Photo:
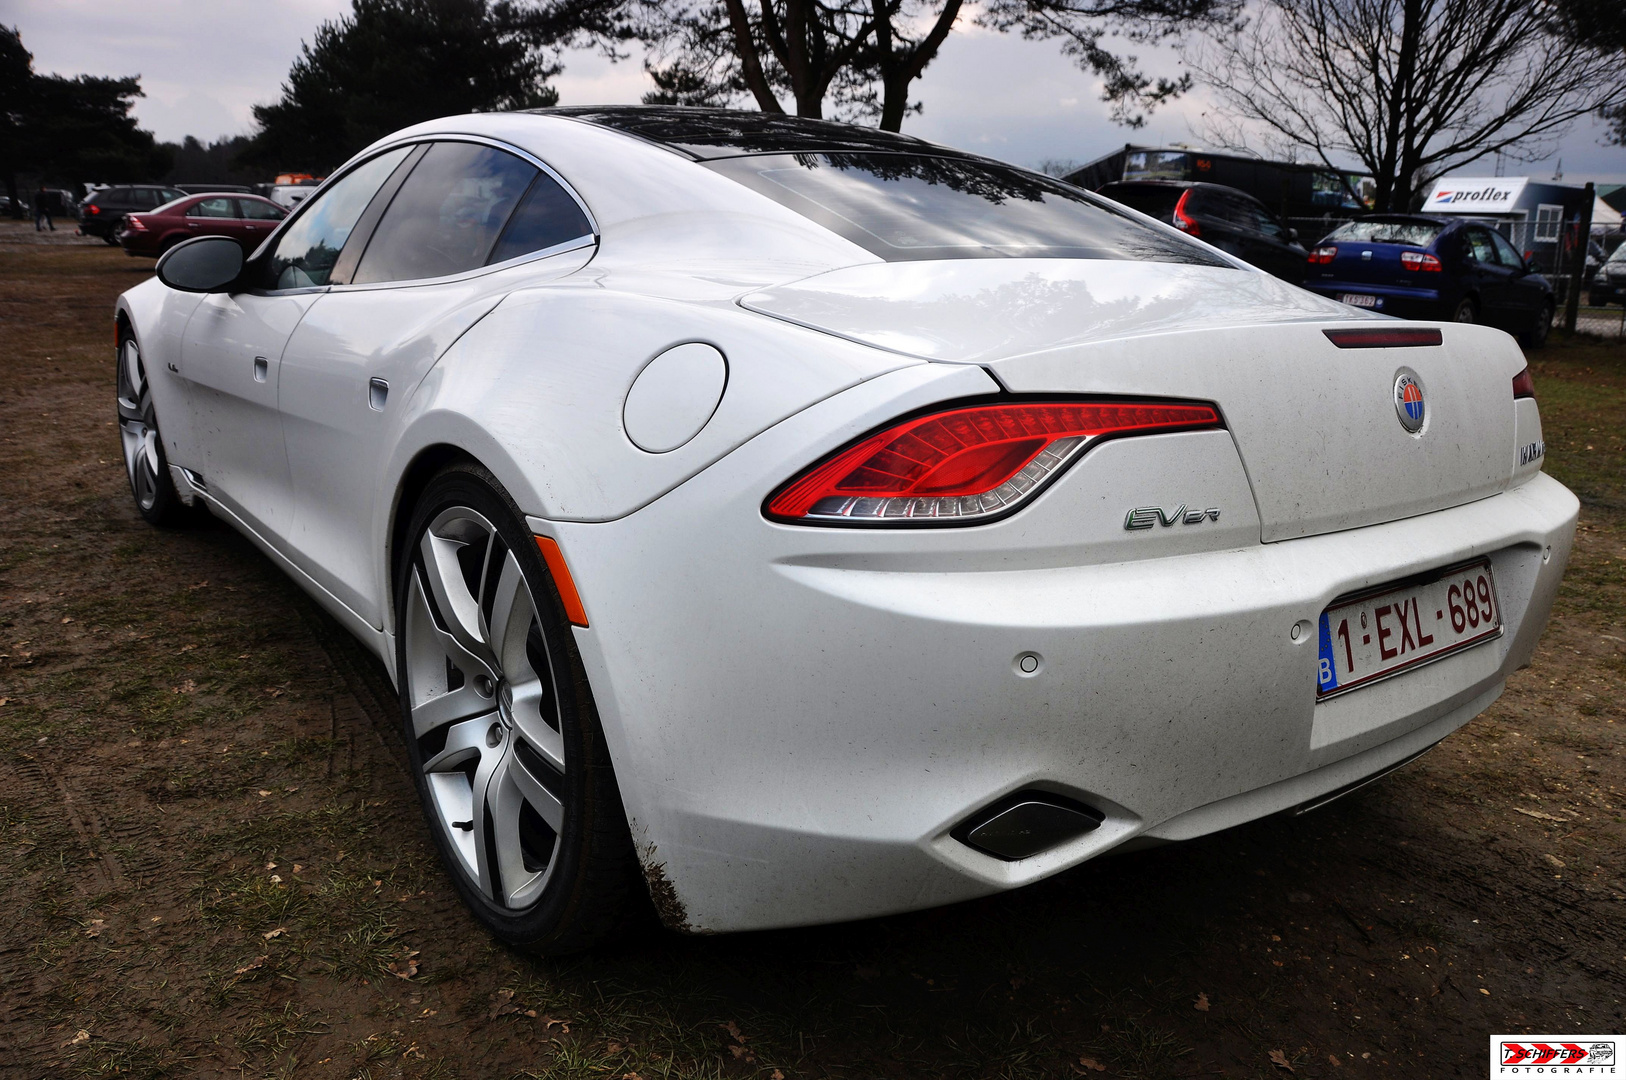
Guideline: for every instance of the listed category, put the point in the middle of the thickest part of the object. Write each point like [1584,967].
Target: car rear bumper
[1405,303]
[801,718]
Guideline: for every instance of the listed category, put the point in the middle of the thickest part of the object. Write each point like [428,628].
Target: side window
[254,210]
[305,254]
[447,215]
[546,216]
[211,208]
[143,198]
[1479,247]
[1265,222]
[1506,252]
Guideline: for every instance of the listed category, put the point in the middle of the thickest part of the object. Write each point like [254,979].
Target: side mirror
[206,264]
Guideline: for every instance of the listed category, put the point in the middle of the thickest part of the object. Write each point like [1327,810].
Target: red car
[248,219]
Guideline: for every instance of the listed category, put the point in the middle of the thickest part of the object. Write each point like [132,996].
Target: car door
[1490,279]
[354,362]
[212,217]
[1526,296]
[1278,253]
[258,218]
[231,355]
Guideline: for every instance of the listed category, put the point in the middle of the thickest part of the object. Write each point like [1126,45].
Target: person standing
[42,209]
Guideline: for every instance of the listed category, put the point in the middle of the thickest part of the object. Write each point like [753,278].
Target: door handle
[377,391]
[262,368]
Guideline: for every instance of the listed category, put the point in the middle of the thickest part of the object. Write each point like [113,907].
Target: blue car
[1423,267]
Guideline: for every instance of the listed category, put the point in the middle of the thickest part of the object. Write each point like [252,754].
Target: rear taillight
[966,465]
[93,208]
[1182,220]
[1321,256]
[1419,260]
[135,224]
[1524,386]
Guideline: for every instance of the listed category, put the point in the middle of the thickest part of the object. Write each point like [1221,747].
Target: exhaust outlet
[1023,825]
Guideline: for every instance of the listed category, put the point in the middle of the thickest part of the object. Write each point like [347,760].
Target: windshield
[1410,233]
[906,207]
[1619,255]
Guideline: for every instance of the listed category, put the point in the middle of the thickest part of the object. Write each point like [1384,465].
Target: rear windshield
[906,207]
[1410,233]
[1152,201]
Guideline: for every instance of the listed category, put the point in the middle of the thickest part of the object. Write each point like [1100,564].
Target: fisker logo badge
[1409,404]
[1144,517]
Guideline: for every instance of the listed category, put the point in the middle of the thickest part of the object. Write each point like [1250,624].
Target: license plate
[1390,630]
[1357,299]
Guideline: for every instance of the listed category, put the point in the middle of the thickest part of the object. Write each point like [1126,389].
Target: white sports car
[794,522]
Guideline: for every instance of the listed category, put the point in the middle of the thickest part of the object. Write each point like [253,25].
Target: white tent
[1605,218]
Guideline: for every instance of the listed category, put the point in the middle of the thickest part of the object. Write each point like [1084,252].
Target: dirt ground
[212,862]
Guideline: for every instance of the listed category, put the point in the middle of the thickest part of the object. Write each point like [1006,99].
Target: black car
[100,214]
[1609,284]
[1231,220]
[1424,266]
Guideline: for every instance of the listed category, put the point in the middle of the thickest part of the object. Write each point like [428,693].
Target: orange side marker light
[562,580]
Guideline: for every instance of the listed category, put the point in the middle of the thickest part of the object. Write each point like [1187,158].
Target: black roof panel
[715,133]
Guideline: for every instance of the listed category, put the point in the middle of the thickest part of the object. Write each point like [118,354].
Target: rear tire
[504,741]
[1467,311]
[1536,336]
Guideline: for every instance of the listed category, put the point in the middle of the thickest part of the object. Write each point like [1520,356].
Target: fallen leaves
[254,965]
[405,966]
[1201,1004]
[502,1004]
[1279,1059]
[1090,1064]
[271,935]
[187,687]
[95,928]
[79,1037]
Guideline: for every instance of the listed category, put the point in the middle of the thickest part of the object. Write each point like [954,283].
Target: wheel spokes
[496,775]
[458,607]
[511,615]
[436,657]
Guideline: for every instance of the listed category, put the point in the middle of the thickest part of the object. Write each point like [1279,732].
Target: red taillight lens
[135,223]
[1524,386]
[968,464]
[1182,221]
[1321,256]
[94,209]
[1419,260]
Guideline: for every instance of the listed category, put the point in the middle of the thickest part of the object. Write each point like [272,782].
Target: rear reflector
[1524,385]
[965,465]
[1382,339]
[568,596]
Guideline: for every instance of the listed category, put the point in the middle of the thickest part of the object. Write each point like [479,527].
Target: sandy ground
[212,862]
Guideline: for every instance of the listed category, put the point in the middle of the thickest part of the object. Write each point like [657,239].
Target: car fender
[535,390]
[158,315]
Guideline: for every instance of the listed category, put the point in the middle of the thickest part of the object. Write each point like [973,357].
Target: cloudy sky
[203,63]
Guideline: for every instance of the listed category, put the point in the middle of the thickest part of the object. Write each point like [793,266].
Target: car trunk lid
[1316,425]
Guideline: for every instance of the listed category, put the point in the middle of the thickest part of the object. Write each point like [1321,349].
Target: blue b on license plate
[1385,631]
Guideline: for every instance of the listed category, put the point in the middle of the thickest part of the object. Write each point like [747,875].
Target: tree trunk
[750,62]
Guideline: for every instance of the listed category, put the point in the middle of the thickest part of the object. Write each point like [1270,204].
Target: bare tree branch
[1411,89]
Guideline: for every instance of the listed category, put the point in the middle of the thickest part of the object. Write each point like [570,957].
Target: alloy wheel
[138,429]
[483,706]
